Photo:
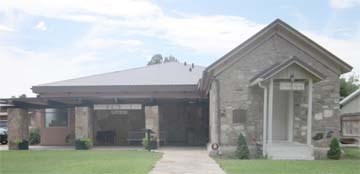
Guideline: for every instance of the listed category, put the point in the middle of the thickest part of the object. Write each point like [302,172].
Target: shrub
[83,144]
[34,137]
[334,152]
[242,150]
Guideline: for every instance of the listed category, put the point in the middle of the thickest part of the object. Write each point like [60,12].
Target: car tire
[4,142]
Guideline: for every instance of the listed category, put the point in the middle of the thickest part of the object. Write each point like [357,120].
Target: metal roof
[172,73]
[350,97]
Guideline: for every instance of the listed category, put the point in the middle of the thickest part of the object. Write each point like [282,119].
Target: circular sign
[215,146]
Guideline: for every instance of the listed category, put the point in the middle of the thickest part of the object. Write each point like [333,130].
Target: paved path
[186,161]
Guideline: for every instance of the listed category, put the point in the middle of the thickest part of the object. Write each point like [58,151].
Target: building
[350,118]
[278,88]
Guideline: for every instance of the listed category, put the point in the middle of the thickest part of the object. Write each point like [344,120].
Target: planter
[24,145]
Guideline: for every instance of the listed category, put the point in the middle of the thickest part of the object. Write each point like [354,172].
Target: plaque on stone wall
[296,86]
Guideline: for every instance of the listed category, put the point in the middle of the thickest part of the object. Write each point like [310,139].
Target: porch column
[83,126]
[265,120]
[309,116]
[271,100]
[18,126]
[291,116]
[152,120]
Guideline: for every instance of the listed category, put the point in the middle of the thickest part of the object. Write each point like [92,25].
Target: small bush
[34,137]
[83,144]
[242,150]
[334,152]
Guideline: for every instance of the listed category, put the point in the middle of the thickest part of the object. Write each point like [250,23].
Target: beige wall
[351,107]
[56,135]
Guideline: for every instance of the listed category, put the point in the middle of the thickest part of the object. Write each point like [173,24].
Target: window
[56,118]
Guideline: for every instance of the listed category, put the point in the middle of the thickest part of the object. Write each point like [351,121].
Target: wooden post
[271,100]
[309,116]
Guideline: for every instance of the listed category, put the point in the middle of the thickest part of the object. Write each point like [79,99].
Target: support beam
[309,116]
[152,121]
[83,120]
[18,126]
[271,100]
[291,116]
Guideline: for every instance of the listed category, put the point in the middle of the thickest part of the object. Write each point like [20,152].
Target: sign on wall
[296,86]
[117,107]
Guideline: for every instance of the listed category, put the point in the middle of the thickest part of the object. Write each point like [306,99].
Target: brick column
[152,120]
[83,126]
[18,126]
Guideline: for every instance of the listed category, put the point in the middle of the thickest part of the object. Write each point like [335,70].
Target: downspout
[264,118]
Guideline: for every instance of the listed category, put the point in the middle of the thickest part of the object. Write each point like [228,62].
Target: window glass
[56,118]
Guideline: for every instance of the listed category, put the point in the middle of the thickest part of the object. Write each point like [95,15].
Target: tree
[158,59]
[348,85]
[242,150]
[334,152]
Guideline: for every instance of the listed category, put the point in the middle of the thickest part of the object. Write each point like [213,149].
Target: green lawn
[77,162]
[350,164]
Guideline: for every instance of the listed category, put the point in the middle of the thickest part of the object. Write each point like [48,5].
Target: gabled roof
[278,26]
[172,73]
[350,97]
[278,67]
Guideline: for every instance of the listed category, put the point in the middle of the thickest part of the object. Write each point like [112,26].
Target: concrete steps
[290,151]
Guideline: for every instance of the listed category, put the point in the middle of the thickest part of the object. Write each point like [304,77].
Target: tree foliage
[242,150]
[159,59]
[348,85]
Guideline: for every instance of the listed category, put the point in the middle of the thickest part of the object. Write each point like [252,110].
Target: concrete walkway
[186,161]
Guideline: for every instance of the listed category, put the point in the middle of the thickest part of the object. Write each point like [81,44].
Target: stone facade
[18,126]
[235,94]
[83,122]
[152,120]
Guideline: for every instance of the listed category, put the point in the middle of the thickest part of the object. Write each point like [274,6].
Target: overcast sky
[45,41]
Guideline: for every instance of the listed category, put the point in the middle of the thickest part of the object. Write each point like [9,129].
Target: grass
[77,162]
[352,153]
[349,164]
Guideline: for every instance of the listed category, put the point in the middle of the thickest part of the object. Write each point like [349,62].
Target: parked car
[3,136]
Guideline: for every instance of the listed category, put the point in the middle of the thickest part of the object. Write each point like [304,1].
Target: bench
[137,136]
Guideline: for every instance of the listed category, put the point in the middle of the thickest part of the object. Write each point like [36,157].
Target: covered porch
[111,121]
[287,109]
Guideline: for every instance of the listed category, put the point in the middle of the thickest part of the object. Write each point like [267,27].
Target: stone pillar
[83,126]
[18,126]
[152,120]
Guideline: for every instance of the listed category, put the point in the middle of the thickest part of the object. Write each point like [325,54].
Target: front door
[280,114]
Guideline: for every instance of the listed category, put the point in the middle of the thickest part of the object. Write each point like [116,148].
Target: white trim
[291,116]
[264,119]
[309,116]
[271,101]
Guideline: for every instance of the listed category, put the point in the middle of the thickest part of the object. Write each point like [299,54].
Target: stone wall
[235,94]
[18,126]
[83,123]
